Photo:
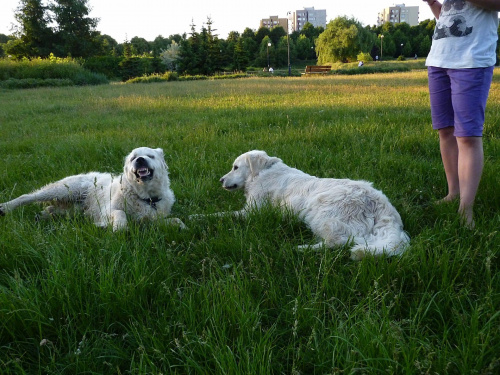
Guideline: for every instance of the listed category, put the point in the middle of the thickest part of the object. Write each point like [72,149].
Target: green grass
[236,296]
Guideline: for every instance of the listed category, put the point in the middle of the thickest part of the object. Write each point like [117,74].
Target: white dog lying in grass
[337,211]
[141,192]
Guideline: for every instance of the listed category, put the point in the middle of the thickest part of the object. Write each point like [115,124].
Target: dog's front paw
[358,254]
[177,222]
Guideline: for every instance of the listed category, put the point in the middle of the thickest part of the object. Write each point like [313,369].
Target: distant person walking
[460,69]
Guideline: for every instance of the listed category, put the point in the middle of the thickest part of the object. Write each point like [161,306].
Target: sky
[122,19]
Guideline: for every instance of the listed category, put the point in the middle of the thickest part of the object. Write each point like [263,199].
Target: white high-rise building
[316,17]
[397,14]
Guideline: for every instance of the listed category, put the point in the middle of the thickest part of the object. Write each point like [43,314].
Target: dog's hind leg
[68,189]
[317,246]
[174,221]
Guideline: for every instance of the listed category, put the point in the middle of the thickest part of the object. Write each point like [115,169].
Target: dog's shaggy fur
[339,211]
[142,191]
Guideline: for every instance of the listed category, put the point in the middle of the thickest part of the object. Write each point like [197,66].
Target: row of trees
[342,40]
[64,28]
[345,38]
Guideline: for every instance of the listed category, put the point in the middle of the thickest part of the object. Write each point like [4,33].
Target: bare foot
[467,218]
[449,198]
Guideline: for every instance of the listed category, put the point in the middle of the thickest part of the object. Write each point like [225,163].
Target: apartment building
[316,17]
[273,21]
[399,13]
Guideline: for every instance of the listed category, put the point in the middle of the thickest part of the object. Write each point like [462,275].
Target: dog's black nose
[221,180]
[140,162]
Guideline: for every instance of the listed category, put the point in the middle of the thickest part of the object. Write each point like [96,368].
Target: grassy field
[235,296]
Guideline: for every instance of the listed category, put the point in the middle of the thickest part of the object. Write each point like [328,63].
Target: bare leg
[449,154]
[470,168]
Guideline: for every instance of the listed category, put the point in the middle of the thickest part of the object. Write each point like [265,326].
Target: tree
[248,33]
[342,40]
[127,49]
[240,55]
[187,61]
[276,33]
[76,32]
[303,47]
[425,46]
[108,46]
[261,34]
[233,36]
[170,55]
[140,46]
[282,51]
[266,55]
[201,53]
[308,31]
[36,37]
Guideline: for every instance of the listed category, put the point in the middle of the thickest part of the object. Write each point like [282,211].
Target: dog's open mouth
[231,187]
[144,173]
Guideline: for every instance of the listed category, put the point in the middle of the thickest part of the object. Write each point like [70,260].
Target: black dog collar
[152,201]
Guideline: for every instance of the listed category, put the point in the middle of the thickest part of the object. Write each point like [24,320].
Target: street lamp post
[268,45]
[288,43]
[381,46]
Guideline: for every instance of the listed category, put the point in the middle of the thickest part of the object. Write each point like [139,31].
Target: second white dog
[141,192]
[339,211]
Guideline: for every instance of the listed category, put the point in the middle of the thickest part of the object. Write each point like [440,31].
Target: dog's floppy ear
[162,157]
[258,161]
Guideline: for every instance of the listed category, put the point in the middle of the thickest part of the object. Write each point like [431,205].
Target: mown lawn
[236,296]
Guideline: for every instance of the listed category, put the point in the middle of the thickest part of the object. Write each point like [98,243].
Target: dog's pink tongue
[143,172]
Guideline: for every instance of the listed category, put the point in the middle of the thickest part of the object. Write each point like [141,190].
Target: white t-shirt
[465,36]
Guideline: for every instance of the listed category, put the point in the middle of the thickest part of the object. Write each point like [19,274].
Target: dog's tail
[387,239]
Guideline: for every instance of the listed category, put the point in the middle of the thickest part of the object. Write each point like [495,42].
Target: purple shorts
[458,99]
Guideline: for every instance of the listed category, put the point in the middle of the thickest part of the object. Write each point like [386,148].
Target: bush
[29,83]
[107,65]
[365,57]
[147,79]
[171,76]
[140,66]
[373,69]
[32,72]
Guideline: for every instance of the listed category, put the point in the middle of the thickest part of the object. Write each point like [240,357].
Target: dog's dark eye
[235,167]
[151,156]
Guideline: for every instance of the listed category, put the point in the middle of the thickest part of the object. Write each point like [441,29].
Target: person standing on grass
[460,70]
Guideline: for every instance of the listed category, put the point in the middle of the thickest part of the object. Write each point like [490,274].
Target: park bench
[317,69]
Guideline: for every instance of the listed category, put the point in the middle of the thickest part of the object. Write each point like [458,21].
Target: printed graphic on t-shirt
[453,20]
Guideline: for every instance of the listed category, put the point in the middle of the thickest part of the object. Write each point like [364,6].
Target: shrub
[231,76]
[171,76]
[84,78]
[54,69]
[365,57]
[373,69]
[140,66]
[147,79]
[107,65]
[28,83]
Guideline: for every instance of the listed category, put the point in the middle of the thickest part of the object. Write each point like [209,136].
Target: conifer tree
[76,31]
[35,35]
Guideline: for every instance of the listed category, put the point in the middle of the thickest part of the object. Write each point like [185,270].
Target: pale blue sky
[150,18]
